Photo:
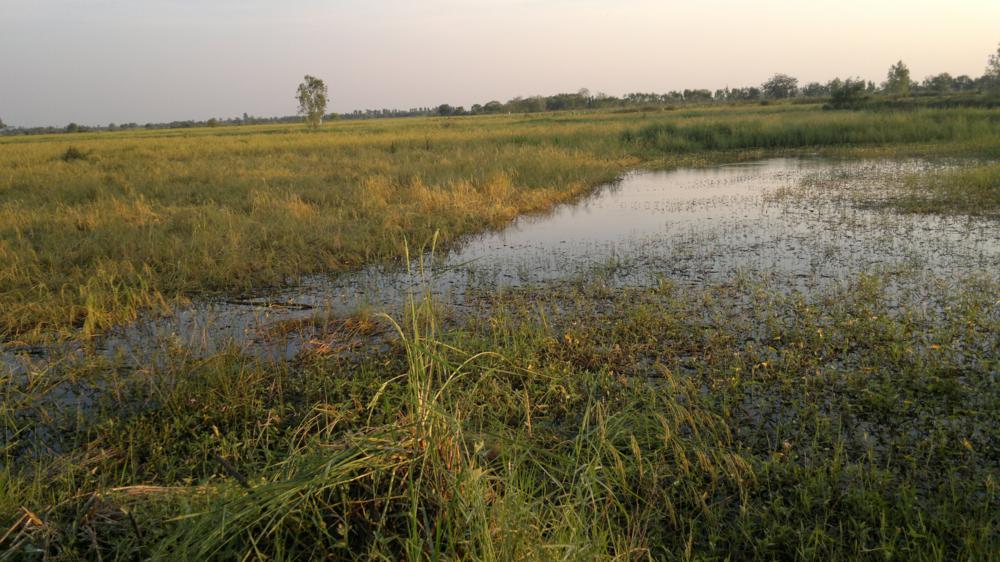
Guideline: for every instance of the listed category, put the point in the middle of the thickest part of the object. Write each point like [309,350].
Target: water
[689,226]
[706,225]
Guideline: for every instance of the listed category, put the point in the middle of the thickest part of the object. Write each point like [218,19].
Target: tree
[697,95]
[2,125]
[941,83]
[312,100]
[816,90]
[992,75]
[898,80]
[781,86]
[849,94]
[964,83]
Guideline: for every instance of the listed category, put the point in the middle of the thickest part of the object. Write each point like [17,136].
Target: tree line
[779,87]
[840,94]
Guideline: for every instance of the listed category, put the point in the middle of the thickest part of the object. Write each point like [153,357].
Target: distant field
[96,227]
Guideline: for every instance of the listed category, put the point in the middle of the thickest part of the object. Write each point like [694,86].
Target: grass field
[577,422]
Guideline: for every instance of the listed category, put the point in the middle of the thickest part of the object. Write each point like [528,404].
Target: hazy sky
[101,61]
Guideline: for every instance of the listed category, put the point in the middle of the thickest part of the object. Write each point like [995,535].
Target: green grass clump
[73,153]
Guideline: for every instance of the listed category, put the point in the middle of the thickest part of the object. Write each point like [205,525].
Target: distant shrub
[73,153]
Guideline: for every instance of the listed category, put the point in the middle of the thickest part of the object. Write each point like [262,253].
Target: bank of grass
[581,423]
[814,129]
[96,228]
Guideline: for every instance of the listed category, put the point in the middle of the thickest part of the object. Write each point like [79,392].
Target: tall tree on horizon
[898,79]
[781,86]
[312,100]
[992,75]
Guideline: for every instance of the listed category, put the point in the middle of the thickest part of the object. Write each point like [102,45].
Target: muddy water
[690,226]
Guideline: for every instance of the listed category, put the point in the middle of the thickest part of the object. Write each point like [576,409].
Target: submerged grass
[580,423]
[95,228]
[969,191]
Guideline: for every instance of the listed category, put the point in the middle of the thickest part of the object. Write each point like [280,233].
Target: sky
[96,62]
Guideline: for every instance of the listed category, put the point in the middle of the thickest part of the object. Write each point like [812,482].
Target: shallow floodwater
[689,226]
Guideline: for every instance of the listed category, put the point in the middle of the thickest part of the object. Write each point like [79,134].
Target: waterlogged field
[96,227]
[803,223]
[743,333]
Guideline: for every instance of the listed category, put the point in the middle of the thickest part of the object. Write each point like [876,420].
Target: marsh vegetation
[772,334]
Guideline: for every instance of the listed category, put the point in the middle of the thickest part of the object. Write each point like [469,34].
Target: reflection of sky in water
[705,225]
[692,226]
[629,220]
[643,205]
